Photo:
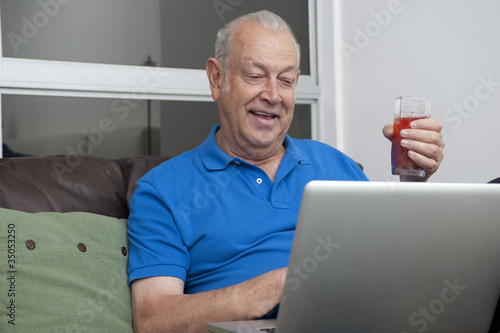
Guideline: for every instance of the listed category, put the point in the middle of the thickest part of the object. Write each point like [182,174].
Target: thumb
[388,131]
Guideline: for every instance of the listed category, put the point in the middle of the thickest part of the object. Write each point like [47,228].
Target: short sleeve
[156,247]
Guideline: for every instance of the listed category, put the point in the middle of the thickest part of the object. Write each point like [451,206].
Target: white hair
[264,18]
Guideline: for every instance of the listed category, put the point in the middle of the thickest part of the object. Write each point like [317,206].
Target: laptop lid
[394,257]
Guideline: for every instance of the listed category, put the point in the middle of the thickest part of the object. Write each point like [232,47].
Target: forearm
[184,313]
[190,313]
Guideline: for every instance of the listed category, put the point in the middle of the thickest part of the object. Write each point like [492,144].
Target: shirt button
[124,251]
[82,247]
[259,181]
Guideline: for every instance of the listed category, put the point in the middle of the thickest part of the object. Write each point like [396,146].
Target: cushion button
[124,251]
[30,244]
[82,247]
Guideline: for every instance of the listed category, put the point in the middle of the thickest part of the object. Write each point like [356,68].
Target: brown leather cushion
[133,169]
[71,183]
[63,184]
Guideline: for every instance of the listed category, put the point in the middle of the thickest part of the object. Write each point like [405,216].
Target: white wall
[447,50]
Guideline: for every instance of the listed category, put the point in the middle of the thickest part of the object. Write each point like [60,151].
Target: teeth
[261,113]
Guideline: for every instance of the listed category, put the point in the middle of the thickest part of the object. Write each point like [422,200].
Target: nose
[271,92]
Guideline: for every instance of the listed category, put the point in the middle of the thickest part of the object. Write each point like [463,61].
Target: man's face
[257,102]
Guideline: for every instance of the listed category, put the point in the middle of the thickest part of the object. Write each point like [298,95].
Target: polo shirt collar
[215,159]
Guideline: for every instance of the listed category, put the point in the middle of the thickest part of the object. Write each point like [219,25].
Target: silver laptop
[390,257]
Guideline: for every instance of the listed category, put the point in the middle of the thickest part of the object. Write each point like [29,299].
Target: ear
[215,74]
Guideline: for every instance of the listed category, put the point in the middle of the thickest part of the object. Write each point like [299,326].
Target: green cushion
[63,272]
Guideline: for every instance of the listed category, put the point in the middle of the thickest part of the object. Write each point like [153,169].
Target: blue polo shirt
[214,221]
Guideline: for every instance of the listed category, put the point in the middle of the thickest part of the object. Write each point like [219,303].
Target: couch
[63,242]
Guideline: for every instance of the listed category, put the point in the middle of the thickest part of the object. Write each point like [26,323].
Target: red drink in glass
[408,109]
[401,162]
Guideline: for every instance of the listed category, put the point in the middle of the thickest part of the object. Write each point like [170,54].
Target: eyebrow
[287,69]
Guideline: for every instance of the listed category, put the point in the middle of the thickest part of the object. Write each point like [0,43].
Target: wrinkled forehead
[252,40]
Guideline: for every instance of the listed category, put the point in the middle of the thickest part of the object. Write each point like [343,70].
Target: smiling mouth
[263,114]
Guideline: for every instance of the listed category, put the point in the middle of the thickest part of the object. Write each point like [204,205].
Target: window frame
[20,76]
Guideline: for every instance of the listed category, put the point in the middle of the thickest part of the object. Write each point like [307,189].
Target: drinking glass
[408,109]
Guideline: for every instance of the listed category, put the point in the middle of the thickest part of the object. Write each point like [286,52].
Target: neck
[268,159]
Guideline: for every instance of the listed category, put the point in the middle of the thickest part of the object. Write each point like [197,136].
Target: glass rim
[417,98]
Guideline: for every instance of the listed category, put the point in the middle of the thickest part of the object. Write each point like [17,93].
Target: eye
[288,82]
[254,78]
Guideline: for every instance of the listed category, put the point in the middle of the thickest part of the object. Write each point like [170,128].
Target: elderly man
[212,243]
